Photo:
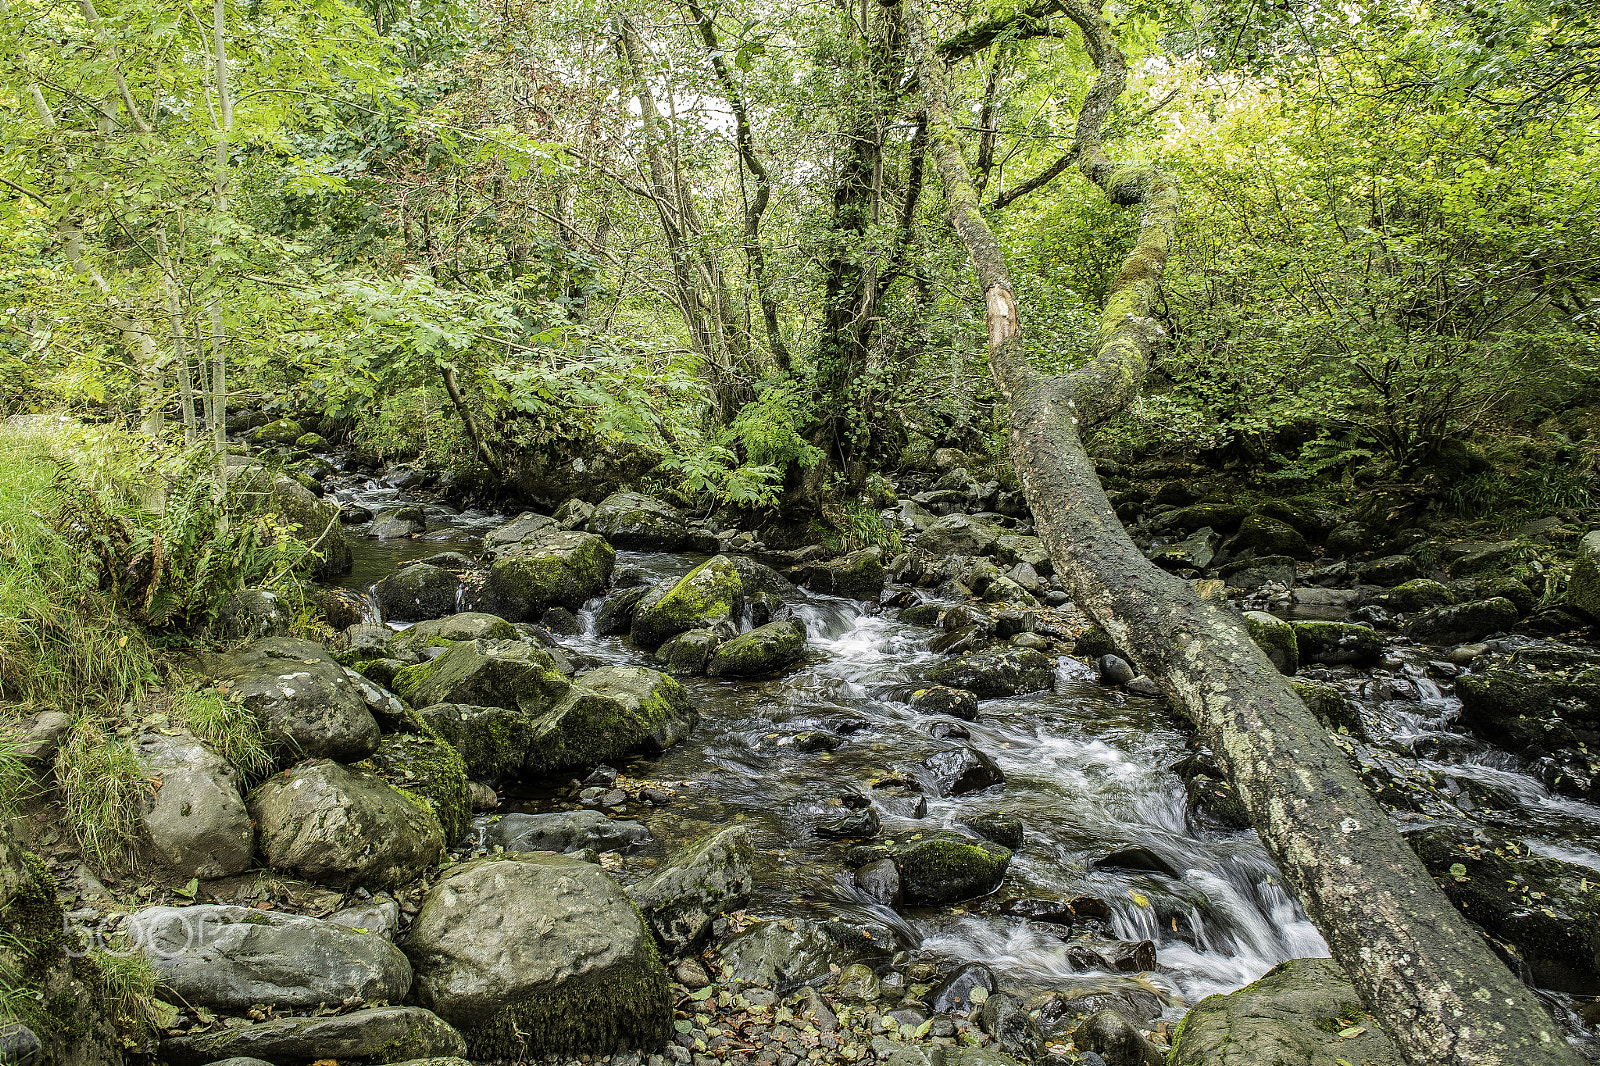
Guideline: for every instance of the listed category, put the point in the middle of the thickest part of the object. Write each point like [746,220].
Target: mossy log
[1418,965]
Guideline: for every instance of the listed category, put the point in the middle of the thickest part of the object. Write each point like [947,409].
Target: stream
[1087,773]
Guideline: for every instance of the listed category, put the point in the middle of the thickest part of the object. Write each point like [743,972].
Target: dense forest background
[703,243]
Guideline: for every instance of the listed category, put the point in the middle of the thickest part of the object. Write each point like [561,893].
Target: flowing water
[1087,772]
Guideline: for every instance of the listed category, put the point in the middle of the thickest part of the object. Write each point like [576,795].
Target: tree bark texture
[1422,970]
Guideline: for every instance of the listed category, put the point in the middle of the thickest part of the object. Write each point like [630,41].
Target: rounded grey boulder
[196,819]
[229,958]
[695,887]
[417,592]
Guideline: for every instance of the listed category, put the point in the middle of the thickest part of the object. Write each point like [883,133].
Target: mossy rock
[997,672]
[1223,517]
[1330,707]
[1275,637]
[527,529]
[638,522]
[1541,701]
[710,594]
[1583,588]
[763,651]
[1217,797]
[565,568]
[485,673]
[609,712]
[1349,538]
[1419,594]
[491,741]
[313,522]
[859,575]
[311,442]
[1463,621]
[1269,536]
[535,955]
[615,616]
[439,632]
[283,434]
[1094,642]
[1547,910]
[947,867]
[1388,571]
[428,766]
[1487,588]
[376,1034]
[687,654]
[1337,642]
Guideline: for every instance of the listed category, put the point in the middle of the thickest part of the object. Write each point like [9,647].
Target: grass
[127,992]
[231,730]
[103,787]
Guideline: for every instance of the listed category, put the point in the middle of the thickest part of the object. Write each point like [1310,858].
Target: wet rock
[1468,558]
[325,822]
[688,654]
[695,886]
[439,632]
[1134,858]
[1388,571]
[707,596]
[229,958]
[536,956]
[879,882]
[418,591]
[954,995]
[1462,621]
[857,984]
[1330,707]
[1194,552]
[958,534]
[195,818]
[946,867]
[1583,587]
[1337,642]
[859,824]
[1115,670]
[767,650]
[1541,700]
[562,621]
[20,1045]
[251,614]
[526,527]
[1418,594]
[859,575]
[430,768]
[379,1034]
[564,568]
[400,522]
[1113,956]
[640,523]
[1276,638]
[1269,536]
[607,713]
[491,741]
[1548,910]
[958,771]
[1011,1027]
[997,826]
[574,514]
[997,672]
[1293,1014]
[565,831]
[1319,604]
[1254,572]
[1117,1040]
[783,952]
[1217,797]
[616,614]
[306,702]
[941,699]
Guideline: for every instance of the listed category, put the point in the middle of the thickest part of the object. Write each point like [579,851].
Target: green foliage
[103,786]
[769,431]
[127,993]
[230,728]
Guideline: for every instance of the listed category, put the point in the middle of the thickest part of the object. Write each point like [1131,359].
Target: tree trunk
[1422,970]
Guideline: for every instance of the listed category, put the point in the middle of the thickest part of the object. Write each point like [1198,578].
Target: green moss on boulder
[491,741]
[485,673]
[428,766]
[710,594]
[1583,588]
[1337,642]
[765,650]
[949,868]
[610,711]
[1275,637]
[565,568]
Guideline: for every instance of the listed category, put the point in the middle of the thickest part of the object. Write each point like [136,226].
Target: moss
[623,1008]
[612,712]
[566,569]
[485,675]
[1093,643]
[1330,707]
[1419,595]
[706,595]
[491,741]
[770,648]
[1276,638]
[945,870]
[429,771]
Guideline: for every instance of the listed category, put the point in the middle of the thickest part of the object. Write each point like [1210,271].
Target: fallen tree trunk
[1422,970]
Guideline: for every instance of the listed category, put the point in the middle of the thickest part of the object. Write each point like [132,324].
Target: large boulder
[1337,642]
[565,831]
[781,953]
[765,650]
[695,886]
[996,672]
[377,1034]
[1546,909]
[1296,1013]
[1276,638]
[492,741]
[451,629]
[945,867]
[195,817]
[326,822]
[608,712]
[859,575]
[251,614]
[416,592]
[526,527]
[486,673]
[709,595]
[1583,588]
[565,568]
[406,521]
[956,771]
[538,955]
[1012,549]
[688,654]
[313,522]
[615,616]
[959,534]
[1541,700]
[428,766]
[229,958]
[642,523]
[1270,536]
[308,704]
[1460,622]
